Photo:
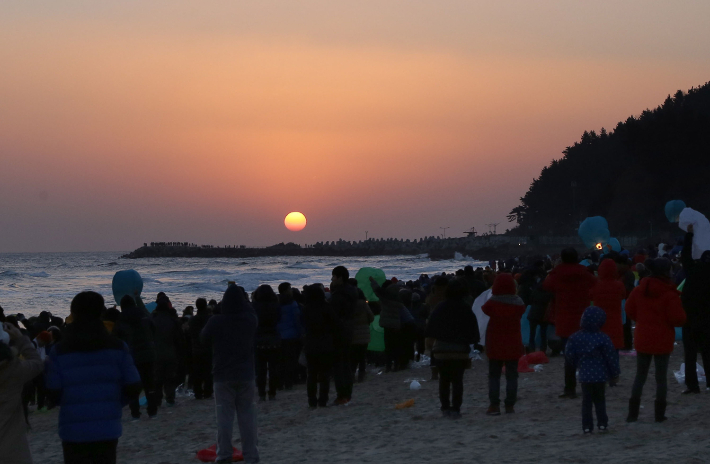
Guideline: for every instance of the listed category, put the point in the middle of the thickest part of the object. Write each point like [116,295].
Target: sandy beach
[370,430]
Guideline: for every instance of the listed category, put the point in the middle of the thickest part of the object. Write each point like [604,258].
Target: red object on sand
[523,365]
[210,454]
[537,357]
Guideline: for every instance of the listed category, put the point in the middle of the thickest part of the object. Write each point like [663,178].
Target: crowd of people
[246,346]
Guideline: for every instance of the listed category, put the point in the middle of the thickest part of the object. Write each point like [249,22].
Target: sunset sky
[123,122]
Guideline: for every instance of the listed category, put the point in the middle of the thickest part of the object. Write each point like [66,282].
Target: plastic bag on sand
[701,230]
[482,318]
[537,367]
[680,375]
[523,365]
[415,385]
[476,356]
[537,357]
[405,405]
[210,454]
[302,358]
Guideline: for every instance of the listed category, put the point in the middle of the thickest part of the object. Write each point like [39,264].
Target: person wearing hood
[232,336]
[344,300]
[696,302]
[318,319]
[504,342]
[201,352]
[91,375]
[452,328]
[570,283]
[136,328]
[592,352]
[19,364]
[268,340]
[608,294]
[169,346]
[656,307]
[290,331]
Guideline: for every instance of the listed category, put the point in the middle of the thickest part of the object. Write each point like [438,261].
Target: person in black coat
[136,328]
[696,302]
[343,299]
[268,340]
[452,328]
[169,346]
[201,352]
[318,321]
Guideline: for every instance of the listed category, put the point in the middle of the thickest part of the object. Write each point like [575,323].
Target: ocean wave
[38,274]
[301,265]
[205,271]
[15,274]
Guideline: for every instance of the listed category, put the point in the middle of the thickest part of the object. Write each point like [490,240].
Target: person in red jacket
[570,283]
[656,307]
[607,294]
[504,342]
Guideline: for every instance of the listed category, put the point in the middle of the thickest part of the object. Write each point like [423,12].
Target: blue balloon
[594,230]
[673,209]
[615,245]
[126,283]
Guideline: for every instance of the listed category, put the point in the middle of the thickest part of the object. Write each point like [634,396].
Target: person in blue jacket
[91,376]
[289,328]
[592,352]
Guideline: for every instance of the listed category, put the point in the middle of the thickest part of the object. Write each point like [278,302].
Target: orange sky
[126,122]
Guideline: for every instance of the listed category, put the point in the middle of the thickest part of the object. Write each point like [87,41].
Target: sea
[35,282]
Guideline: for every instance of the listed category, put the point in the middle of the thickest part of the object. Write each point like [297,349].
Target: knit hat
[45,337]
[504,285]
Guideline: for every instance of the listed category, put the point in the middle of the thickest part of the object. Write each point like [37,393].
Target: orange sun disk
[295,221]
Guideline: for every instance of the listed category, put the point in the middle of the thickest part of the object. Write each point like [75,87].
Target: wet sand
[370,430]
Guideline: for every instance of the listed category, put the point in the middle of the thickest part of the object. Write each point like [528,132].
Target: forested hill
[628,174]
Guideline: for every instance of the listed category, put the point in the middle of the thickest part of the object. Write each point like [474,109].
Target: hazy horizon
[132,122]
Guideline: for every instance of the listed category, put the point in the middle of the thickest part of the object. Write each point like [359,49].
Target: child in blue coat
[592,352]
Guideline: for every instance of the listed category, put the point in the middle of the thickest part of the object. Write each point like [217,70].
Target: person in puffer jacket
[607,294]
[289,328]
[592,352]
[570,283]
[504,342]
[656,307]
[362,319]
[91,375]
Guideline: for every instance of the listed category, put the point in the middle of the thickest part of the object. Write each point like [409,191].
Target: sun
[295,221]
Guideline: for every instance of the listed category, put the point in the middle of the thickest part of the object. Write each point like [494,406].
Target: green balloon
[363,281]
